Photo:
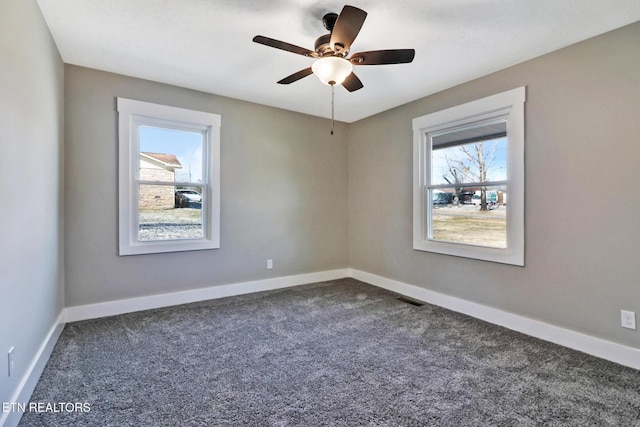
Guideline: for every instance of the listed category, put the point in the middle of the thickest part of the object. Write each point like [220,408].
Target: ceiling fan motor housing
[323,45]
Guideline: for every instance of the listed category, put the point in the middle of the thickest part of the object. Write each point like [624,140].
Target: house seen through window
[170,184]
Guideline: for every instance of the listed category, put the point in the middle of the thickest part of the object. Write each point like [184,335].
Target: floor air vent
[410,301]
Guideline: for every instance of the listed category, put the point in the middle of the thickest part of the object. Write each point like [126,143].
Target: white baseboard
[28,384]
[618,353]
[112,308]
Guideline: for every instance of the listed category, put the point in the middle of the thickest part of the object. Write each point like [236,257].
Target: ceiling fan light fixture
[332,70]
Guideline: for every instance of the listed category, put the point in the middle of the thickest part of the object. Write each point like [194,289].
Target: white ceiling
[206,44]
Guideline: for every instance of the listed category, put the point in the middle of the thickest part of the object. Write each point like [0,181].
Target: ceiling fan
[332,66]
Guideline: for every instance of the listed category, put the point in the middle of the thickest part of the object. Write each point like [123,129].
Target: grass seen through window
[467,224]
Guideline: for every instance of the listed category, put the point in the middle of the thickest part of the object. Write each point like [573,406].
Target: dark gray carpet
[339,353]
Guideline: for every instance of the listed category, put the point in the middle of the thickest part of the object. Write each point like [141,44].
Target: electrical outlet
[628,319]
[10,361]
[269,264]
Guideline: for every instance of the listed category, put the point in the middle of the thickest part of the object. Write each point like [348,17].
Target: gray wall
[582,206]
[31,227]
[284,194]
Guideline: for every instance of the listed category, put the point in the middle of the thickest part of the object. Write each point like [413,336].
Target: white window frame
[131,115]
[506,106]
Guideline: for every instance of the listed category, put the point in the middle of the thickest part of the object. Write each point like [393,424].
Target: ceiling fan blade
[346,28]
[381,57]
[352,83]
[284,46]
[296,76]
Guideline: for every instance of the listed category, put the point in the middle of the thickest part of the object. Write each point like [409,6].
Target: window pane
[479,218]
[169,213]
[477,161]
[170,155]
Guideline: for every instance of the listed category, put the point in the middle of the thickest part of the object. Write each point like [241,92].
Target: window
[468,195]
[169,178]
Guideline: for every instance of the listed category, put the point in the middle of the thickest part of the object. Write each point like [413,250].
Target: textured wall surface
[31,220]
[283,182]
[582,229]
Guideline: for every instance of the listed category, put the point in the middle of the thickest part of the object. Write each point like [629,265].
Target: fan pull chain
[332,106]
